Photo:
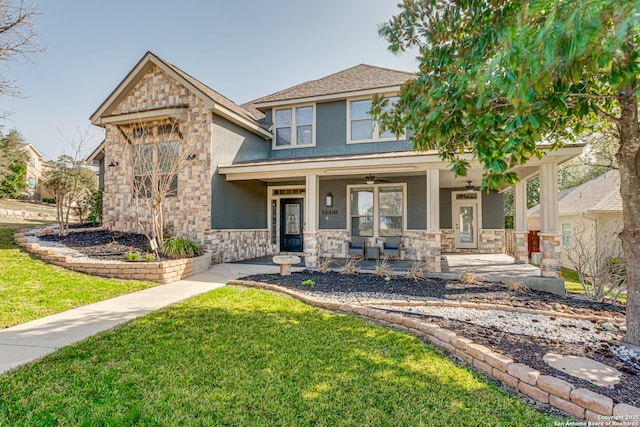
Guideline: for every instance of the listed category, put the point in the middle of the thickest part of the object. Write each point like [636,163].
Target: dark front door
[291,218]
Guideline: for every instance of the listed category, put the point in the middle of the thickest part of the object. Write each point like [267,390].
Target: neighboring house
[301,170]
[35,173]
[593,210]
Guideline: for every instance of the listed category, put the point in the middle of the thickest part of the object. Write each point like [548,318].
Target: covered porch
[315,207]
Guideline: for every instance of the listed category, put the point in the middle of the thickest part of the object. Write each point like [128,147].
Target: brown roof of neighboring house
[360,77]
[601,194]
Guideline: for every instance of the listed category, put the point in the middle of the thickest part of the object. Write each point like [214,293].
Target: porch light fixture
[328,200]
[114,163]
[191,157]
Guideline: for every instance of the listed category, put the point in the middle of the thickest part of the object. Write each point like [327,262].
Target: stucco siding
[600,231]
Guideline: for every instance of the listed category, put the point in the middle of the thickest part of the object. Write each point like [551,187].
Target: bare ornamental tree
[159,154]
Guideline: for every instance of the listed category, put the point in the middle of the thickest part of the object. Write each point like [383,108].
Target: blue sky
[242,49]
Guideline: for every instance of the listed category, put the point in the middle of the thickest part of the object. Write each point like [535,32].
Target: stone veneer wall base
[577,402]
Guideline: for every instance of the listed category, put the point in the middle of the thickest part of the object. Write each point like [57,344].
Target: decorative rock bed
[546,389]
[161,271]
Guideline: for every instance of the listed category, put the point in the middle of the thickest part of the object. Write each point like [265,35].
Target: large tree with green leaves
[508,79]
[13,165]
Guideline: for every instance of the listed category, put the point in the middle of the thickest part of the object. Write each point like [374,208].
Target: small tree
[596,260]
[13,169]
[159,154]
[71,183]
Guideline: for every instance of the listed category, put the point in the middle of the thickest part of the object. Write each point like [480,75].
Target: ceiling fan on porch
[470,187]
[371,179]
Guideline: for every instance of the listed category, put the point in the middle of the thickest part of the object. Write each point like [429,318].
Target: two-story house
[35,173]
[303,170]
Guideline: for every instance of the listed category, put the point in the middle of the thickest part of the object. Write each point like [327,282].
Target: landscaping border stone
[577,402]
[160,271]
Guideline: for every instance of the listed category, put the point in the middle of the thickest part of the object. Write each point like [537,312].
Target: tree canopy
[13,166]
[506,80]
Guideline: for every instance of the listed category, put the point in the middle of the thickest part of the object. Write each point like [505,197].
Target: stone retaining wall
[577,402]
[9,213]
[162,272]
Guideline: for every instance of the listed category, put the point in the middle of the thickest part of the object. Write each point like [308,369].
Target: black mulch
[521,348]
[105,245]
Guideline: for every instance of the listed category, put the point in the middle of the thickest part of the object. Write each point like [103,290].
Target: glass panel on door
[466,222]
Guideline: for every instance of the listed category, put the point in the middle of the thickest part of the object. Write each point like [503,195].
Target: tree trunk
[628,156]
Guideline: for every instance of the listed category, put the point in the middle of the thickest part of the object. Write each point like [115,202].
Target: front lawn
[31,289]
[241,357]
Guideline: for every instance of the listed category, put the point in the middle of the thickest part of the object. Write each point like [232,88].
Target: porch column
[433,235]
[311,247]
[520,233]
[550,236]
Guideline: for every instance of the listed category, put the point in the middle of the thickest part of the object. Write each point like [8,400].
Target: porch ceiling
[381,165]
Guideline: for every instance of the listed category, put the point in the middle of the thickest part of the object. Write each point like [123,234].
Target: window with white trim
[566,234]
[294,127]
[360,125]
[377,210]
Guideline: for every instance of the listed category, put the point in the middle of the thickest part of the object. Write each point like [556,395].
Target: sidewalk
[27,342]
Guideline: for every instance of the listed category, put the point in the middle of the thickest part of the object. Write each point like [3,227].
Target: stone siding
[424,246]
[237,245]
[491,241]
[550,247]
[189,213]
[333,243]
[521,247]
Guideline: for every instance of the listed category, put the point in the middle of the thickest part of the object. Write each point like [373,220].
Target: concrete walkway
[27,342]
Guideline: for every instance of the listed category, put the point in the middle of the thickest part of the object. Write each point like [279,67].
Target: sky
[242,49]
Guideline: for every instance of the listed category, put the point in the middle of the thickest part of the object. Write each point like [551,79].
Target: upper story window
[360,125]
[32,162]
[294,127]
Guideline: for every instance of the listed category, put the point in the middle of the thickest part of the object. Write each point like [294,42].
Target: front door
[465,220]
[291,217]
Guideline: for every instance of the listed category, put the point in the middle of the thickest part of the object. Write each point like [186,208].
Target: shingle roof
[360,77]
[599,194]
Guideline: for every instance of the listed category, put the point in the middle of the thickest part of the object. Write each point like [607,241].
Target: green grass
[572,283]
[31,289]
[246,357]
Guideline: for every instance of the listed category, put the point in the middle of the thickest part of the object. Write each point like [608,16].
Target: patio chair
[391,247]
[357,246]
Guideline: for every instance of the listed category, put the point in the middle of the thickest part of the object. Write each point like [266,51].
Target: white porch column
[520,233]
[433,200]
[549,221]
[311,204]
[311,246]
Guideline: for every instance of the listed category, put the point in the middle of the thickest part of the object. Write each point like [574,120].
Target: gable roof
[601,194]
[27,146]
[359,78]
[249,119]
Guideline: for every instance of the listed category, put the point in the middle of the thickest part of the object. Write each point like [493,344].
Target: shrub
[133,256]
[49,200]
[149,257]
[308,282]
[95,208]
[179,247]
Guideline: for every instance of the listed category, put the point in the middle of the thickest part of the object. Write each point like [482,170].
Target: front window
[32,183]
[566,234]
[362,128]
[377,210]
[294,127]
[155,168]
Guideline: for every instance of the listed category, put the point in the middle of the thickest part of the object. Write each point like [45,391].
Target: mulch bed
[105,245]
[521,348]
